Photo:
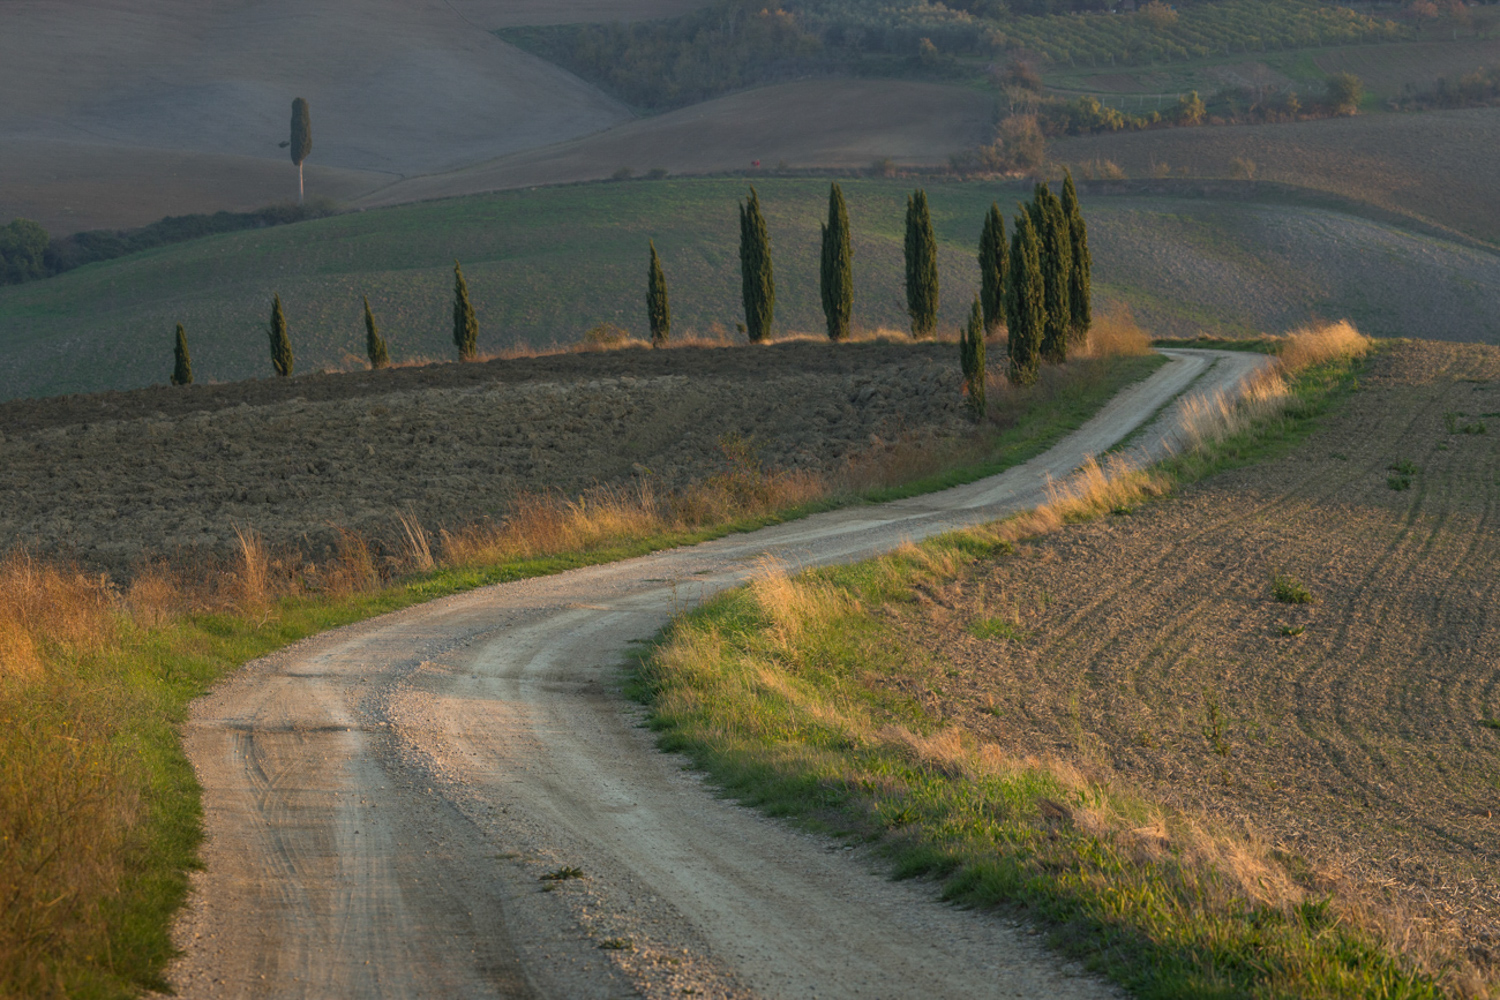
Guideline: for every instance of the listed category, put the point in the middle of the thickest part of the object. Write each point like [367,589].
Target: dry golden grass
[64,810]
[42,605]
[543,525]
[1115,333]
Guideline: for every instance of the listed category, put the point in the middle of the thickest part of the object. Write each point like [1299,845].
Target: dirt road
[384,800]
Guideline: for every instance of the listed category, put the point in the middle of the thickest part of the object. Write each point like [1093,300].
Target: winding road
[383,800]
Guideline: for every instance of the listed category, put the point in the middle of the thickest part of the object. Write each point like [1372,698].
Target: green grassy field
[546,264]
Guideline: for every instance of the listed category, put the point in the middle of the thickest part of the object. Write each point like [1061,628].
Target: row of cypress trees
[1062,255]
[1039,286]
[465,335]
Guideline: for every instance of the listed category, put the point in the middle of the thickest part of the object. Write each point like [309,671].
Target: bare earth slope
[1437,165]
[1357,733]
[382,800]
[396,87]
[826,123]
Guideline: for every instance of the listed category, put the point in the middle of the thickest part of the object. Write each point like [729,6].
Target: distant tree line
[27,252]
[735,44]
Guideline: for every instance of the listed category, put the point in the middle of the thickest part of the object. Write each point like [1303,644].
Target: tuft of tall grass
[1116,334]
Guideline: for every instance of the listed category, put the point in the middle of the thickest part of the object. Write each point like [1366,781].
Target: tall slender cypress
[758,283]
[465,324]
[836,280]
[1025,306]
[374,342]
[301,140]
[1057,264]
[971,359]
[182,369]
[993,259]
[921,266]
[1081,274]
[281,344]
[658,309]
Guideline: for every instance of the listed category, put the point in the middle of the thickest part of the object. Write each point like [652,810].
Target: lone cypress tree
[993,260]
[971,359]
[1025,306]
[281,344]
[758,282]
[921,266]
[182,370]
[1057,265]
[465,324]
[301,143]
[836,280]
[1081,273]
[658,309]
[374,342]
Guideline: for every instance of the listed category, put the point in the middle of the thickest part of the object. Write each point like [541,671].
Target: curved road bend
[381,799]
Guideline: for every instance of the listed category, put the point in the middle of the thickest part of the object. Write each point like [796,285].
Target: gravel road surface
[383,801]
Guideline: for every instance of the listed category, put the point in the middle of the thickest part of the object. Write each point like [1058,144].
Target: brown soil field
[396,88]
[1437,166]
[1393,71]
[400,87]
[129,111]
[826,123]
[1356,733]
[72,186]
[108,479]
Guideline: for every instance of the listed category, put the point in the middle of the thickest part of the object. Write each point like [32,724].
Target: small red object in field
[755,163]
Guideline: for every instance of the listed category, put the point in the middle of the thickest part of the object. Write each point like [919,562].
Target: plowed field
[110,478]
[1356,732]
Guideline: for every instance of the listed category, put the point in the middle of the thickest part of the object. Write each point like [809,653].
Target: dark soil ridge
[18,416]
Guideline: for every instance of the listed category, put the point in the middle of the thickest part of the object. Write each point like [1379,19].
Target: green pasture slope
[546,264]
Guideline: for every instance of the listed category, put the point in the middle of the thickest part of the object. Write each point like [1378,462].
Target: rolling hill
[545,265]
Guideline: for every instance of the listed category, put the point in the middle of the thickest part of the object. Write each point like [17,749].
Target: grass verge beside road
[99,809]
[800,696]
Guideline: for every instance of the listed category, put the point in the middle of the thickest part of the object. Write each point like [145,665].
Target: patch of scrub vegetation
[99,810]
[807,697]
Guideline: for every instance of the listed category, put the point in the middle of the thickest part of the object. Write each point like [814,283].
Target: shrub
[1289,590]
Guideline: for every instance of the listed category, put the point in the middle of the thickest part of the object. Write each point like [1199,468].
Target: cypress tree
[759,284]
[374,342]
[465,325]
[836,281]
[971,359]
[921,266]
[1081,273]
[182,370]
[1025,307]
[993,260]
[281,344]
[658,309]
[1057,264]
[301,142]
